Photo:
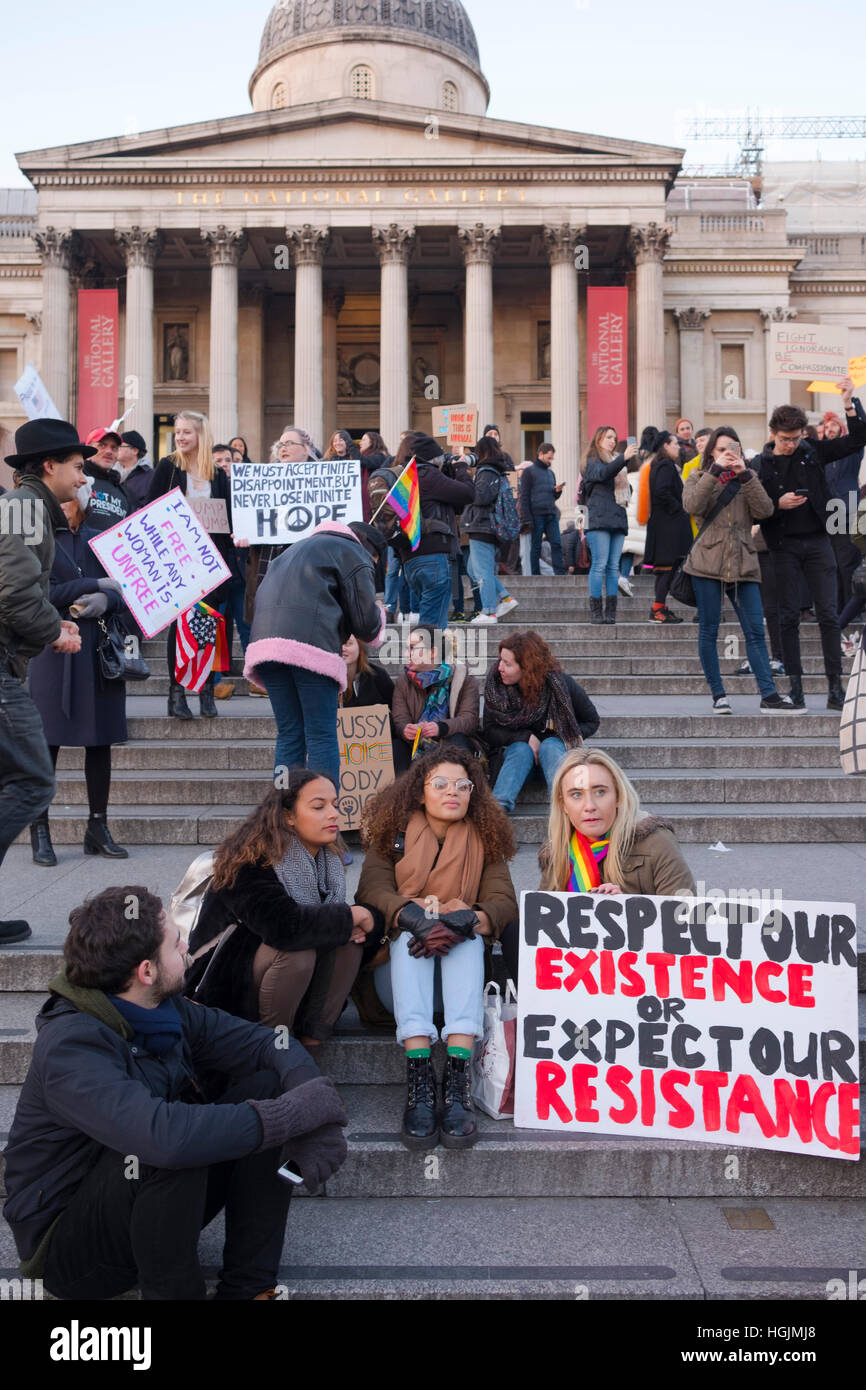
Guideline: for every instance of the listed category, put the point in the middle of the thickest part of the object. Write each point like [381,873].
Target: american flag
[199,630]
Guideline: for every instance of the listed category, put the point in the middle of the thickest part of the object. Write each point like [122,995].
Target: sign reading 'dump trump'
[718,1020]
[366,759]
[164,560]
[277,503]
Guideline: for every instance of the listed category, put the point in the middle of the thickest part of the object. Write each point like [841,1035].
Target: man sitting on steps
[143,1115]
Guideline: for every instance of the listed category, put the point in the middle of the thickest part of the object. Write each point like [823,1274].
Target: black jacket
[109,502]
[498,739]
[805,468]
[89,1088]
[166,477]
[477,519]
[28,620]
[669,530]
[537,491]
[441,498]
[320,591]
[374,687]
[603,512]
[136,483]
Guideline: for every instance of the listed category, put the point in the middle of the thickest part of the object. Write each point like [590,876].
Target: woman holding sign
[192,469]
[437,870]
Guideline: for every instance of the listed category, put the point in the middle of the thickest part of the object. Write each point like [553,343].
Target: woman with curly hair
[437,870]
[275,941]
[533,712]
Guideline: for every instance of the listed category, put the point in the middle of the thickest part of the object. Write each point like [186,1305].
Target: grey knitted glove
[306,1108]
[110,586]
[91,605]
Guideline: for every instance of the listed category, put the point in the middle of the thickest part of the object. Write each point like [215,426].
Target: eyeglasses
[442,784]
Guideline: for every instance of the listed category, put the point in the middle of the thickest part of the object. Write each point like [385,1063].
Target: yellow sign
[856,371]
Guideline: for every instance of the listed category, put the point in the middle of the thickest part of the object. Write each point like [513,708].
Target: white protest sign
[33,395]
[806,351]
[212,513]
[719,1020]
[163,559]
[277,503]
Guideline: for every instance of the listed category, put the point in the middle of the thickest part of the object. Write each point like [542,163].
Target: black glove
[299,1111]
[462,922]
[437,942]
[318,1154]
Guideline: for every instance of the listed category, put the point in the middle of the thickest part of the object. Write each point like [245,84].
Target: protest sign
[278,503]
[856,371]
[366,758]
[459,422]
[719,1020]
[33,395]
[212,513]
[163,559]
[803,351]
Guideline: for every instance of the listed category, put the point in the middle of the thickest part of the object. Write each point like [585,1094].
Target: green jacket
[29,517]
[727,550]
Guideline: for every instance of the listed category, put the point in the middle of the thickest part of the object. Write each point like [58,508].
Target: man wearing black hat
[109,503]
[132,468]
[49,460]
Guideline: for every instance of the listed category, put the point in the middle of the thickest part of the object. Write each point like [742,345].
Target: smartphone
[291,1172]
[632,439]
[735,449]
[801,492]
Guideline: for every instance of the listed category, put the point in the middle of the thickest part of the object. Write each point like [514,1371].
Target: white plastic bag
[493,1063]
[852,726]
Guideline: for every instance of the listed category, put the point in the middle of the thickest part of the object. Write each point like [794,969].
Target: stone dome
[444,20]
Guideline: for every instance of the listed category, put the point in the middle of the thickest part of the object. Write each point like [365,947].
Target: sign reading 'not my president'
[687,1018]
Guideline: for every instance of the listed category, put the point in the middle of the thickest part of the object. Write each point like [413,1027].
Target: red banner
[98,382]
[607,360]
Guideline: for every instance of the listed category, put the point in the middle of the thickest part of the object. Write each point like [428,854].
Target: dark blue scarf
[156,1030]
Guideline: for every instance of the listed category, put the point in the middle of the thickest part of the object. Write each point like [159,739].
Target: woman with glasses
[435,701]
[437,870]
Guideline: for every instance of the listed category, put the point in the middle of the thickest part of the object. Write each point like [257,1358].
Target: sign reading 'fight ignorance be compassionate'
[684,1018]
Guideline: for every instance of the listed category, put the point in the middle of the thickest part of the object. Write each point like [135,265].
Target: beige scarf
[456,873]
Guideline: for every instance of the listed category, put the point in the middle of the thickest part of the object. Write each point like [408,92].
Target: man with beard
[109,502]
[144,1114]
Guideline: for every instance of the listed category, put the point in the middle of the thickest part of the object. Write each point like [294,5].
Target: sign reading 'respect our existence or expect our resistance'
[164,560]
[366,759]
[278,503]
[718,1020]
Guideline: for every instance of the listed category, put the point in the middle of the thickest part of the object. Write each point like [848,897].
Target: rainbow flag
[405,499]
[586,856]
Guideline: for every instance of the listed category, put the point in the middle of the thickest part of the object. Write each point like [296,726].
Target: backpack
[188,896]
[379,484]
[506,522]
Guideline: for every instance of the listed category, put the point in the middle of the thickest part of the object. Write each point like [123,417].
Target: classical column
[334,297]
[692,392]
[57,249]
[394,246]
[225,248]
[308,246]
[478,245]
[648,246]
[141,246]
[778,390]
[562,243]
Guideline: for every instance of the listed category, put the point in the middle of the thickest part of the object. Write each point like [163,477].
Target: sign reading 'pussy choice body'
[277,503]
[685,1018]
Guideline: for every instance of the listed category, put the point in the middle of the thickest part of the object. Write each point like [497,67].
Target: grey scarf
[310,881]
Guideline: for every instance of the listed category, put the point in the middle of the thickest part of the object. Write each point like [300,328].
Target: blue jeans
[459,567]
[429,576]
[232,608]
[412,982]
[482,568]
[746,599]
[26,769]
[305,709]
[606,548]
[519,762]
[626,563]
[397,592]
[550,525]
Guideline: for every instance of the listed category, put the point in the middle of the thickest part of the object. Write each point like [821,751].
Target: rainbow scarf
[405,499]
[586,856]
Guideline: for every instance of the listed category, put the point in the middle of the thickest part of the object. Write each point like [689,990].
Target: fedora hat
[40,439]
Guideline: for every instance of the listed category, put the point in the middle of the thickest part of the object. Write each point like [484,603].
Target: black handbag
[118,652]
[681,587]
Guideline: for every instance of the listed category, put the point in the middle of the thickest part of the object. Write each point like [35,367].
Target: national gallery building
[366,244]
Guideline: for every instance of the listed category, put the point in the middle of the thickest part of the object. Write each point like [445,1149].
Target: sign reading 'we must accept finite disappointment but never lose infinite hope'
[685,1018]
[278,503]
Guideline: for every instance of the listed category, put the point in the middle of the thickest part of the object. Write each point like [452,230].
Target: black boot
[459,1126]
[836,696]
[206,704]
[177,704]
[610,609]
[40,843]
[796,692]
[97,840]
[420,1129]
[595,611]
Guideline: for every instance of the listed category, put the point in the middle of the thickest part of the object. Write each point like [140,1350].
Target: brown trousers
[304,990]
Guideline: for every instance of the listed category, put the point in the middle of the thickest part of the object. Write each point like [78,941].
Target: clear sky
[638,69]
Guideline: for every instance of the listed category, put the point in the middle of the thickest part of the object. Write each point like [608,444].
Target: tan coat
[655,864]
[378,888]
[727,549]
[463,700]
